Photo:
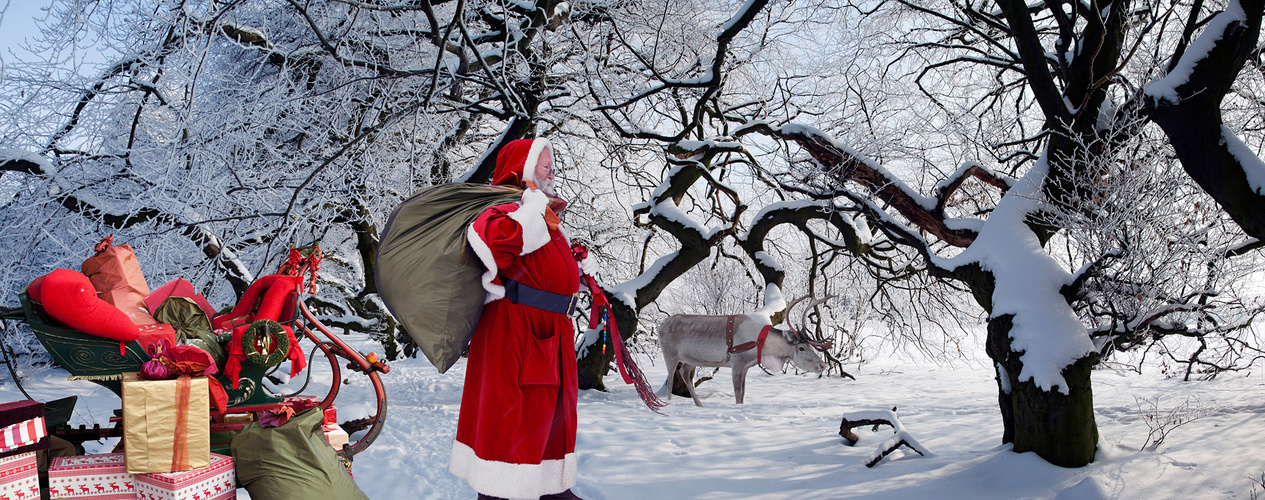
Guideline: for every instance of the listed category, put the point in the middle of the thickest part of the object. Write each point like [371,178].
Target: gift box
[99,477]
[22,428]
[217,481]
[19,478]
[336,436]
[166,424]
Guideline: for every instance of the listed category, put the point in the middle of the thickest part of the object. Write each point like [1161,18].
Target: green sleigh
[103,361]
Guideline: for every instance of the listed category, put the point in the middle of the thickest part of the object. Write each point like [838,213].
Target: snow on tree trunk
[1041,350]
[1058,426]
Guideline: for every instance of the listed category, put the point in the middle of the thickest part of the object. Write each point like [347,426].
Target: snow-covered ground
[783,442]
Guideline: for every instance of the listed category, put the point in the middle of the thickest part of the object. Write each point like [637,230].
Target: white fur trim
[531,216]
[588,265]
[533,156]
[484,253]
[513,481]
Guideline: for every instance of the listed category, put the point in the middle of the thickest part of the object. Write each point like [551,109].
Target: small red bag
[117,277]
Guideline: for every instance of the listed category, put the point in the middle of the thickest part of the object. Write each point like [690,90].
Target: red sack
[117,277]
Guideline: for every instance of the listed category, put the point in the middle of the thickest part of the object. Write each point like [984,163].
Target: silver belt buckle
[575,301]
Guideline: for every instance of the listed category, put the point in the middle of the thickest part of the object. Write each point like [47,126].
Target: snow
[22,155]
[783,442]
[668,210]
[746,6]
[774,301]
[626,292]
[1166,88]
[1028,283]
[967,224]
[1252,165]
[789,205]
[768,261]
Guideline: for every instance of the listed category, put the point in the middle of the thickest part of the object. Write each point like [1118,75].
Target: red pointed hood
[516,162]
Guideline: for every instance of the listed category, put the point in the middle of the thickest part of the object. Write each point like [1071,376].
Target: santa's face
[544,172]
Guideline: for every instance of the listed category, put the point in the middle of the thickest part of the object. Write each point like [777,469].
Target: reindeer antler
[797,331]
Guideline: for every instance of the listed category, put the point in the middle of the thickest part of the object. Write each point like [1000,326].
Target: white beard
[546,186]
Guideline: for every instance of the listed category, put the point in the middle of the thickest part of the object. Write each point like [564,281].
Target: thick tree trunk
[680,385]
[594,364]
[1059,427]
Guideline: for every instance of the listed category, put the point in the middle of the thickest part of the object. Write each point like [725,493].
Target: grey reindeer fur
[699,340]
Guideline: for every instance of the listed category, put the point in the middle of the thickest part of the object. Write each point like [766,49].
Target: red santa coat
[516,429]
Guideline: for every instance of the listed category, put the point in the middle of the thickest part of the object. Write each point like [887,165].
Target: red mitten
[69,297]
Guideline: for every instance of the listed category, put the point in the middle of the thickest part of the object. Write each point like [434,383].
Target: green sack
[191,325]
[293,461]
[426,272]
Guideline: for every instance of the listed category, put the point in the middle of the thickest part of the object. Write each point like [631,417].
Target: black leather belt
[519,293]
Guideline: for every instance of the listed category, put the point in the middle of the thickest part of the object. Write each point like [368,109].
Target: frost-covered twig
[1257,481]
[1161,422]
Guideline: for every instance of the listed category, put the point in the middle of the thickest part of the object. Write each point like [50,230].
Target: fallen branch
[876,418]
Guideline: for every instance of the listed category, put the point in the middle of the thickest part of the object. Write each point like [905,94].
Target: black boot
[566,495]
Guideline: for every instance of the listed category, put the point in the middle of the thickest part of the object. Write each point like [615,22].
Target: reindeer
[734,341]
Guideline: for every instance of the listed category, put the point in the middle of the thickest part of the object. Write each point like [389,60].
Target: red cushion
[278,296]
[265,299]
[69,297]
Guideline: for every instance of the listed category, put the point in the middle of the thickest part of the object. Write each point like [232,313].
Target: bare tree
[1077,211]
[217,133]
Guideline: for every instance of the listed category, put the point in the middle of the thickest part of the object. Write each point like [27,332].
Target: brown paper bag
[116,275]
[157,437]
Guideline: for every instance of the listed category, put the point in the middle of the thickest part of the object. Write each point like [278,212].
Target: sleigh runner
[105,361]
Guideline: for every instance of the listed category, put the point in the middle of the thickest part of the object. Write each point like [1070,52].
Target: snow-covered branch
[900,437]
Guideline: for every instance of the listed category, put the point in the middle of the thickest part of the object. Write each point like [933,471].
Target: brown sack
[159,437]
[117,277]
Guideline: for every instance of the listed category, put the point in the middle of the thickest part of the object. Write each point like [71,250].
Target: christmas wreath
[265,343]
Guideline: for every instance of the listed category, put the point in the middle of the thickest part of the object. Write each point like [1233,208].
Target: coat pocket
[539,364]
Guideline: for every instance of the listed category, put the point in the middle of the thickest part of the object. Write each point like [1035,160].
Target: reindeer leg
[689,382]
[665,392]
[740,382]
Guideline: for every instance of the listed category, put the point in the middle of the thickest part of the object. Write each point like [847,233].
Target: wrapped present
[336,436]
[19,479]
[239,418]
[217,481]
[98,477]
[331,415]
[166,424]
[22,428]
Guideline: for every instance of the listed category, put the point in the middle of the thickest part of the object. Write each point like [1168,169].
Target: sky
[17,23]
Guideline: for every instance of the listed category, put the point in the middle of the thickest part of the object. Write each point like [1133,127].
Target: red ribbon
[180,449]
[602,307]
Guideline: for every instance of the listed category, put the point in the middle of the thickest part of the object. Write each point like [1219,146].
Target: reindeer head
[803,349]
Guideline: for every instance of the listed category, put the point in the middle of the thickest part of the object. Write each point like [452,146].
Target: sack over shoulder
[426,272]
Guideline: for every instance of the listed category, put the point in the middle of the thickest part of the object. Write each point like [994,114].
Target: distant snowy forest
[1081,177]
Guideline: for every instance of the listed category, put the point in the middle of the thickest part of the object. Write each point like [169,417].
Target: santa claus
[516,430]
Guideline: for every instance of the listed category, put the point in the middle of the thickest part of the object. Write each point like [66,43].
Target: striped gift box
[22,428]
[21,434]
